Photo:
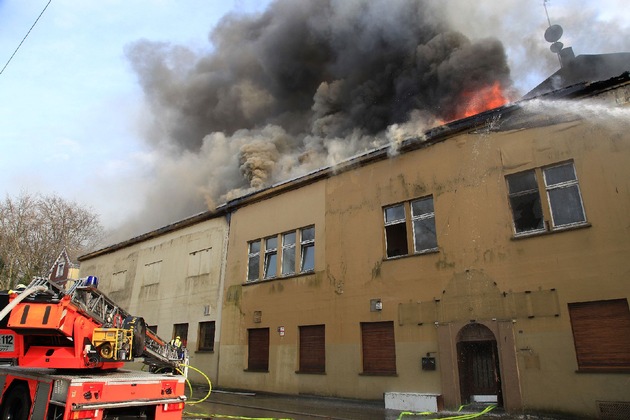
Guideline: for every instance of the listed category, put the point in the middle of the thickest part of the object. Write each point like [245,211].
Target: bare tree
[35,228]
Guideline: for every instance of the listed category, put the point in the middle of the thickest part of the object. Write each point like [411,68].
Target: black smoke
[299,86]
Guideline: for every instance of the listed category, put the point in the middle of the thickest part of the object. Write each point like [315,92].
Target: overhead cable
[23,39]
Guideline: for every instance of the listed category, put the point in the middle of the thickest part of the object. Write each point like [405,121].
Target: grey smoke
[302,85]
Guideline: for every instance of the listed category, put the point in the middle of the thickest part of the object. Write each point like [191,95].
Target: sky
[76,118]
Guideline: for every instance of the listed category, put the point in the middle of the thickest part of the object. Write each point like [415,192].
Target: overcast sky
[72,113]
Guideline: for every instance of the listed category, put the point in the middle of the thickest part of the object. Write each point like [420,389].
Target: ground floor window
[601,334]
[206,336]
[379,348]
[181,331]
[312,349]
[258,349]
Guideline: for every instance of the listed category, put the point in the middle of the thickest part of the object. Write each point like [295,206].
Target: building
[63,270]
[172,277]
[485,260]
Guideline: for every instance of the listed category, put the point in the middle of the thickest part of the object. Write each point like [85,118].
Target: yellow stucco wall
[481,271]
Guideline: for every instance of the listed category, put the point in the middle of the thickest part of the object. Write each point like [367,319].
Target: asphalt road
[236,405]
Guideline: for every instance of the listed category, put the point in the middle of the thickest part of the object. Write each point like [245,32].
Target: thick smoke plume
[300,86]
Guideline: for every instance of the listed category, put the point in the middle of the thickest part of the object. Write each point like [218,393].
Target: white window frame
[305,244]
[271,258]
[250,256]
[573,183]
[422,216]
[288,249]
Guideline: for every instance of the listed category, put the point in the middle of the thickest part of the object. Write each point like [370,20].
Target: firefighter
[177,343]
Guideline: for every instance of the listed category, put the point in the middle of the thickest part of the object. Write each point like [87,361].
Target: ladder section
[94,304]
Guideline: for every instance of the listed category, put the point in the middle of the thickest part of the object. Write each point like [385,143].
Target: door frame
[503,332]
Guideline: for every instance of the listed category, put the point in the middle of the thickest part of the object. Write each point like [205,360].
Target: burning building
[471,250]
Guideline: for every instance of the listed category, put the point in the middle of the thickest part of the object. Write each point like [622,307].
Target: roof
[583,69]
[508,113]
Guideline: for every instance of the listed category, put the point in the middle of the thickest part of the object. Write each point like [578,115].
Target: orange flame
[481,100]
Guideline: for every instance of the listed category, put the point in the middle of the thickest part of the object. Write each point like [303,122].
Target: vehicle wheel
[17,405]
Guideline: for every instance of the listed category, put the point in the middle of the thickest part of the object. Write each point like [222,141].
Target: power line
[23,39]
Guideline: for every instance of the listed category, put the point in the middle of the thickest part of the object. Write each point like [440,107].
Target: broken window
[253,265]
[307,248]
[525,202]
[396,231]
[423,217]
[271,257]
[421,225]
[563,199]
[288,253]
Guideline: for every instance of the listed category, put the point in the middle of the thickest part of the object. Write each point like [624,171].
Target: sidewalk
[238,405]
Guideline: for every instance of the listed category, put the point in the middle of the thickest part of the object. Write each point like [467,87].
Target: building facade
[173,279]
[484,261]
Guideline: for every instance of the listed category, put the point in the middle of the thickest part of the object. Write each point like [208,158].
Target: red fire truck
[63,350]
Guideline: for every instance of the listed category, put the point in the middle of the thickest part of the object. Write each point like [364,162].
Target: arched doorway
[478,365]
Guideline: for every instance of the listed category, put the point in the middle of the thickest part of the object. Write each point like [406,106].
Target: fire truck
[62,352]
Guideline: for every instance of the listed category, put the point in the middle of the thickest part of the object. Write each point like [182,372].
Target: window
[271,257]
[199,262]
[258,349]
[396,231]
[422,226]
[379,348]
[206,336]
[312,349]
[563,199]
[153,328]
[60,268]
[563,193]
[525,202]
[253,265]
[601,334]
[118,280]
[181,331]
[288,253]
[423,222]
[307,249]
[152,273]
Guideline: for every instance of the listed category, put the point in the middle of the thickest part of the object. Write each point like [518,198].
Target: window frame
[271,259]
[423,216]
[573,183]
[261,254]
[181,330]
[251,256]
[543,192]
[202,336]
[289,248]
[396,223]
[304,245]
[404,237]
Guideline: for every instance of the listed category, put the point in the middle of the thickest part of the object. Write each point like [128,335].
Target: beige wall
[169,279]
[481,271]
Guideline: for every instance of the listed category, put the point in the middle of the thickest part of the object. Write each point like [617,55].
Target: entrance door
[479,376]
